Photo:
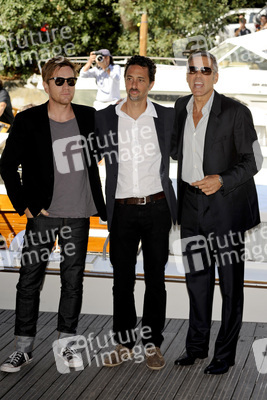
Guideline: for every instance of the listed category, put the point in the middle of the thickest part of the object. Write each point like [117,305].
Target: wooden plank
[230,380]
[246,383]
[13,384]
[248,329]
[54,384]
[131,380]
[260,330]
[74,384]
[7,316]
[146,383]
[164,384]
[260,389]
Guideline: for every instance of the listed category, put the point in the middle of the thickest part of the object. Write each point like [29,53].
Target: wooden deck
[132,380]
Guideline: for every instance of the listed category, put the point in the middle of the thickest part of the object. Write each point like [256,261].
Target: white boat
[242,75]
[242,68]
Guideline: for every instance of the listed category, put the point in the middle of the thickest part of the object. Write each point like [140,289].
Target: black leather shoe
[187,359]
[218,367]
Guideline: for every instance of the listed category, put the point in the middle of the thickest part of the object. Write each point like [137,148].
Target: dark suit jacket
[29,144]
[107,134]
[230,150]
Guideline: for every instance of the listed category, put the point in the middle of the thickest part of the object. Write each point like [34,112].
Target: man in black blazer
[58,190]
[216,146]
[134,138]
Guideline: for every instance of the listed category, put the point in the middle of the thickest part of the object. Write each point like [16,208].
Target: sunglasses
[60,81]
[204,70]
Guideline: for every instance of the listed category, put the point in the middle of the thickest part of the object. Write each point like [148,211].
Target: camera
[99,56]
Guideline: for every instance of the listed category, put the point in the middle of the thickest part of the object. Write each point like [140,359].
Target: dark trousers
[203,249]
[38,242]
[151,224]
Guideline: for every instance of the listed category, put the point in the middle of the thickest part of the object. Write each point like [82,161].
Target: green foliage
[75,27]
[169,21]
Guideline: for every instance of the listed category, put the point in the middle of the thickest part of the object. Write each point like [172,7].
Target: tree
[168,21]
[32,31]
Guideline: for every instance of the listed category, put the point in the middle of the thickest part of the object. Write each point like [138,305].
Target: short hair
[142,62]
[1,84]
[204,53]
[57,62]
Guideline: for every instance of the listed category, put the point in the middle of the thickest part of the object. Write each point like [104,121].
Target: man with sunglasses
[59,190]
[216,146]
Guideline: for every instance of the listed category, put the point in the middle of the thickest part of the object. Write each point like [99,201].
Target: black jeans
[38,242]
[151,224]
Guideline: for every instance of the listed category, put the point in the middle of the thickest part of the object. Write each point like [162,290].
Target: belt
[141,201]
[193,189]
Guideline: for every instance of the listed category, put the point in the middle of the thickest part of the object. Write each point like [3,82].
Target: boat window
[242,57]
[251,18]
[222,50]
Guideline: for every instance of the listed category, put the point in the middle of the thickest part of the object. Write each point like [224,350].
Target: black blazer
[107,136]
[29,144]
[230,150]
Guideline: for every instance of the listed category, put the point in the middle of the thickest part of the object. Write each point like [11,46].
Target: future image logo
[195,252]
[260,353]
[182,48]
[68,153]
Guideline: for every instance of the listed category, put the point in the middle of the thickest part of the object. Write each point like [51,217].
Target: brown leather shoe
[154,358]
[118,356]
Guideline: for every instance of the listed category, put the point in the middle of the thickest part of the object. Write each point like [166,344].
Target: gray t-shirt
[72,195]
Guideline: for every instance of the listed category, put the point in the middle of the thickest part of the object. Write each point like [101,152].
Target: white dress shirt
[194,140]
[139,155]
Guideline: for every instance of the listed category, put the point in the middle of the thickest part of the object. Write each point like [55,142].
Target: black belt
[141,201]
[193,189]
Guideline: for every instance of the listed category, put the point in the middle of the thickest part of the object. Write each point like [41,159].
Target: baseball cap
[105,52]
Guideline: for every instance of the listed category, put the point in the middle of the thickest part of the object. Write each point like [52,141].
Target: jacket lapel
[181,119]
[160,127]
[45,137]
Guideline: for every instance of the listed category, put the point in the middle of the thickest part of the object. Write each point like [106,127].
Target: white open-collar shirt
[194,141]
[139,155]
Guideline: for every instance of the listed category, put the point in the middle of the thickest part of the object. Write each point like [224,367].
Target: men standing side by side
[217,150]
[58,191]
[134,137]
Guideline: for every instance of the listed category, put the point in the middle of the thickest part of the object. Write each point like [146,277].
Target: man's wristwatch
[221,180]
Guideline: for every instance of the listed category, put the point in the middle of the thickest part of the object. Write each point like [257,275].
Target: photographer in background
[242,30]
[107,77]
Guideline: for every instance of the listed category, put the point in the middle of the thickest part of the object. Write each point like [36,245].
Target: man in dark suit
[217,150]
[134,137]
[58,191]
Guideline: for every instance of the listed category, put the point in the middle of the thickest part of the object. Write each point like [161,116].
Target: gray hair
[204,53]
